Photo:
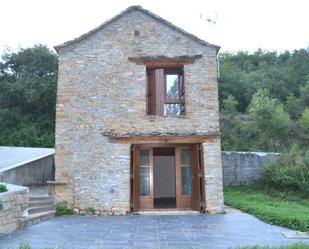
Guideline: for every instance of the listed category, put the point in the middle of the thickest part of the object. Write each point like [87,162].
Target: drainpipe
[218,66]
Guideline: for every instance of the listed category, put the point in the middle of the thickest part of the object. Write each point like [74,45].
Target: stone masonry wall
[13,205]
[101,91]
[213,176]
[244,167]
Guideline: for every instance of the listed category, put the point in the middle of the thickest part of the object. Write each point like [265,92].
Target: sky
[233,24]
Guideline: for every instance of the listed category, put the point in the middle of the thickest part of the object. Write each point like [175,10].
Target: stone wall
[244,167]
[100,91]
[213,176]
[35,173]
[13,207]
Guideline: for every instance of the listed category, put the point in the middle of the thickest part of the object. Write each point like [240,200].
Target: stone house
[137,124]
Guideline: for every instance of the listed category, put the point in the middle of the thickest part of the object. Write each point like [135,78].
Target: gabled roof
[147,12]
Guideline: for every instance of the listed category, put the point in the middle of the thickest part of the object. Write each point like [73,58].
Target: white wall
[164,176]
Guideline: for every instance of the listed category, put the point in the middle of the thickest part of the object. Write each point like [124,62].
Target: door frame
[195,201]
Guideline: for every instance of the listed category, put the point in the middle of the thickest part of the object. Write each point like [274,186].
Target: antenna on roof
[211,18]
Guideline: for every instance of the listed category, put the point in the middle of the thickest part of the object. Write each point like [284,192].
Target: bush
[290,173]
[3,188]
[62,208]
[90,210]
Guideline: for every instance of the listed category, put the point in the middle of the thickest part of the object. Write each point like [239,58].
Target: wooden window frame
[156,89]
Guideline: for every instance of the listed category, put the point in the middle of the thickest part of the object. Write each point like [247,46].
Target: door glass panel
[144,157]
[186,174]
[144,181]
[172,86]
[144,173]
[186,180]
[186,157]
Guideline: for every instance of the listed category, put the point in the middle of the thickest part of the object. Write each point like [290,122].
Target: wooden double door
[166,177]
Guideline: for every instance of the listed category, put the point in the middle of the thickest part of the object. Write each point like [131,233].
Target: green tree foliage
[230,105]
[304,94]
[268,119]
[304,128]
[294,106]
[231,124]
[270,123]
[304,120]
[27,97]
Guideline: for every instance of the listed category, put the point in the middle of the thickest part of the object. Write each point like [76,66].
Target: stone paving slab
[145,232]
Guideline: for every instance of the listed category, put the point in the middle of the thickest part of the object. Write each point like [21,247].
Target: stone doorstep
[296,235]
[40,198]
[38,209]
[168,212]
[41,203]
[37,217]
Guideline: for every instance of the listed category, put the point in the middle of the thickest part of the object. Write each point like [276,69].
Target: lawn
[291,212]
[294,246]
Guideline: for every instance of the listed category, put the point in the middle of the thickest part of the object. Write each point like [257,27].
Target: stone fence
[13,208]
[244,167]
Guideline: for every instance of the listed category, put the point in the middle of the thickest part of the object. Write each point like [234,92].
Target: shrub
[90,210]
[289,173]
[62,208]
[3,188]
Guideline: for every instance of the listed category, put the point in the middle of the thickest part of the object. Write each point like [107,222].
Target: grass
[3,188]
[293,246]
[62,208]
[291,212]
[23,245]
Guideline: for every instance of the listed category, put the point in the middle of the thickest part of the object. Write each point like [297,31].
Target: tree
[28,80]
[304,94]
[294,106]
[286,78]
[270,123]
[230,105]
[304,125]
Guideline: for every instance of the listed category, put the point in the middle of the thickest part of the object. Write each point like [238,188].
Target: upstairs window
[165,91]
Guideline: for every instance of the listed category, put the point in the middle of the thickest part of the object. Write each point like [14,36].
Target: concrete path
[157,231]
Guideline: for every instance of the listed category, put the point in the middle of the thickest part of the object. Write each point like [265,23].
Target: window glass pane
[186,180]
[144,181]
[172,86]
[186,156]
[144,157]
[172,109]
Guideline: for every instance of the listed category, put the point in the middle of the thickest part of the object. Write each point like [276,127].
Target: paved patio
[164,231]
